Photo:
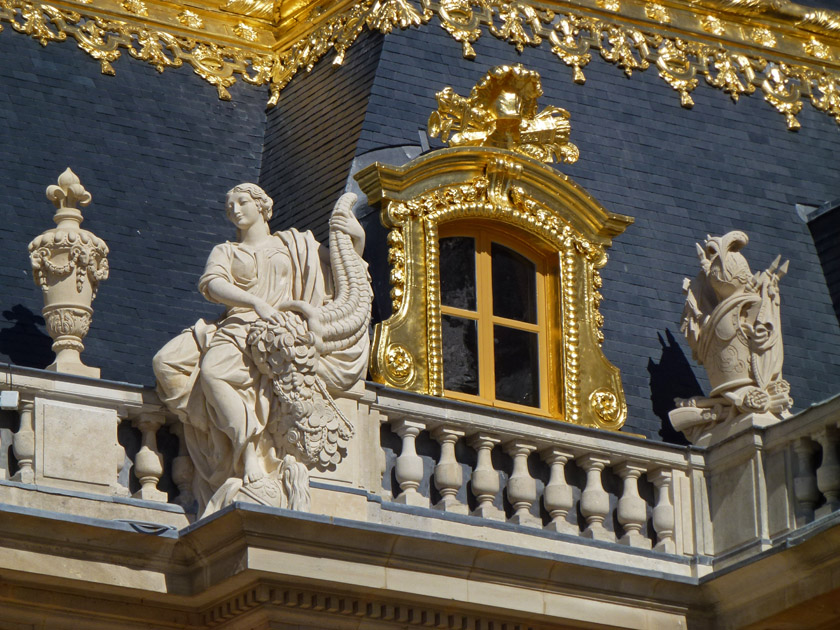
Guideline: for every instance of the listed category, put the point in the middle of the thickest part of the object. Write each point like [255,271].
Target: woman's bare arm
[223,292]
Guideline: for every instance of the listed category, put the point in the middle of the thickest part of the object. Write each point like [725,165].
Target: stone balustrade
[539,473]
[94,447]
[91,447]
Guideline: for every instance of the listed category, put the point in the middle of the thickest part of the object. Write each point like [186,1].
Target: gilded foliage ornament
[764,36]
[572,35]
[712,25]
[136,7]
[657,12]
[191,19]
[104,40]
[817,49]
[501,111]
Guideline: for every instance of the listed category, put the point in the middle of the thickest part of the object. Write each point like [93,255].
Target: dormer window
[494,260]
[493,319]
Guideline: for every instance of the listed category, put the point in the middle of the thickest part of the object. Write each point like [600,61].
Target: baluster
[632,509]
[558,497]
[805,481]
[448,474]
[148,464]
[828,474]
[521,487]
[23,444]
[663,511]
[485,479]
[409,466]
[183,471]
[594,501]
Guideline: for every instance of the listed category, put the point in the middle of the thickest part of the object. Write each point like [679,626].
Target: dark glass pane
[457,272]
[517,366]
[514,285]
[460,354]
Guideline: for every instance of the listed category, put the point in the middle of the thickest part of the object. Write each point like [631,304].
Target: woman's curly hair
[265,203]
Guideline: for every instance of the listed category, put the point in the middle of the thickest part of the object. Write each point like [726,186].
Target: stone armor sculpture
[732,324]
[252,388]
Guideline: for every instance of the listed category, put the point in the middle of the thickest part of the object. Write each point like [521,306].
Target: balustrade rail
[484,465]
[537,473]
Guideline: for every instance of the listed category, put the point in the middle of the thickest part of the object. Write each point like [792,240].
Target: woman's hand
[267,312]
[309,313]
[343,220]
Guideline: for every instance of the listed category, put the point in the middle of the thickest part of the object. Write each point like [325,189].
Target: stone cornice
[788,52]
[250,563]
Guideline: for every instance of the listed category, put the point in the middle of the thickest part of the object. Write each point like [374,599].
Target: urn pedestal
[68,263]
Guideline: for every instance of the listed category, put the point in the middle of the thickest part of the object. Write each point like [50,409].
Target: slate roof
[158,153]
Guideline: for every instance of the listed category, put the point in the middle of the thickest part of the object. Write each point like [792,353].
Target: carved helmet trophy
[732,324]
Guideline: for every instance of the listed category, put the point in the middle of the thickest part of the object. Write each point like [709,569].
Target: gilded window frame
[495,184]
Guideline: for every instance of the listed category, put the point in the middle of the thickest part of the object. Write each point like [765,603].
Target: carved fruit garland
[68,263]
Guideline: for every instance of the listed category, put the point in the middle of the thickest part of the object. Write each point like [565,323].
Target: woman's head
[260,197]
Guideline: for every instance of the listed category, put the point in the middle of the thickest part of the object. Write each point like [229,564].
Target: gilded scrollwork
[501,111]
[104,40]
[569,47]
[735,74]
[782,94]
[386,14]
[681,60]
[677,70]
[624,45]
[826,96]
[513,16]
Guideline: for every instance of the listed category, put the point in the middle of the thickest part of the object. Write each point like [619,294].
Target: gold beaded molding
[788,52]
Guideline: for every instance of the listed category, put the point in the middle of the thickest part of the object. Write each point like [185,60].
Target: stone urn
[68,263]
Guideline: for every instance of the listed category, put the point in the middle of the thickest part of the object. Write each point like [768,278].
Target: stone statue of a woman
[252,387]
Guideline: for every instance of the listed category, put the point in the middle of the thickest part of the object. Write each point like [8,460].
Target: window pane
[457,272]
[514,285]
[517,366]
[460,354]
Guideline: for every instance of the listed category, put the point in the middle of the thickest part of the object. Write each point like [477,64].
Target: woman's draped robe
[291,268]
